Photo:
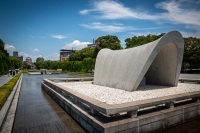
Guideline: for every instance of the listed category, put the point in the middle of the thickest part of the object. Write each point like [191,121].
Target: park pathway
[39,113]
[4,79]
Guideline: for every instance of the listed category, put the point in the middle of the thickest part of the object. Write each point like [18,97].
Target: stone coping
[146,122]
[72,79]
[117,108]
[189,80]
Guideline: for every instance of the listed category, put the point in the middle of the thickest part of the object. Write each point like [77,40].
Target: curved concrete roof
[159,62]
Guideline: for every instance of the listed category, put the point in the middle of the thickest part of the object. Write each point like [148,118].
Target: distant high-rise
[94,41]
[15,54]
[93,45]
[20,58]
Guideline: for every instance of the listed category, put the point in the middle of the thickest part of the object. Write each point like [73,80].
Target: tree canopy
[81,54]
[84,60]
[191,58]
[39,63]
[7,62]
[111,42]
[140,40]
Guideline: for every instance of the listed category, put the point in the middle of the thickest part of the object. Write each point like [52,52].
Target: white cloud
[39,56]
[58,36]
[114,10]
[114,28]
[175,12]
[52,56]
[179,13]
[76,45]
[10,49]
[36,50]
[143,33]
[84,12]
[24,54]
[191,34]
[106,28]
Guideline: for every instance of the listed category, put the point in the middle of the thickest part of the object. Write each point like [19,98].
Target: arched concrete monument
[155,63]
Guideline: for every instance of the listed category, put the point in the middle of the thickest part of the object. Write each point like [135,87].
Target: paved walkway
[4,79]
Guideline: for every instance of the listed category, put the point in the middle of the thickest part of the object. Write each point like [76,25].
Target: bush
[24,71]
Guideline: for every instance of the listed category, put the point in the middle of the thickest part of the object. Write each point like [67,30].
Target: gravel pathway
[117,96]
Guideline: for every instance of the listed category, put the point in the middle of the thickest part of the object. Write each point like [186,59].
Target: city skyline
[40,28]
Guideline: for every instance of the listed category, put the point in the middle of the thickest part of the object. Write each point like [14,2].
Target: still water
[37,112]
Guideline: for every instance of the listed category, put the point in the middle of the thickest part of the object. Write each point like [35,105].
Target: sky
[40,28]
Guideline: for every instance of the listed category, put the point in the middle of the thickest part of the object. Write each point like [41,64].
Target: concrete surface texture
[155,63]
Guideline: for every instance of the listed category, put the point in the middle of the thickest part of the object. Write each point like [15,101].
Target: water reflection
[38,112]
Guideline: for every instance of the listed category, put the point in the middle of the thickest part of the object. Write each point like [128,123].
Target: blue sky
[38,28]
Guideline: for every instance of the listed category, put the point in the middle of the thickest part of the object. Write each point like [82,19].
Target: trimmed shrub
[7,88]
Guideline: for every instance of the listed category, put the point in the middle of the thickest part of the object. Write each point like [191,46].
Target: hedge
[7,88]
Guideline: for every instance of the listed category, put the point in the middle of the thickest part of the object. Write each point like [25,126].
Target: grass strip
[7,88]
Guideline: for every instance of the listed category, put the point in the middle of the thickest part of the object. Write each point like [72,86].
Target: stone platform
[98,112]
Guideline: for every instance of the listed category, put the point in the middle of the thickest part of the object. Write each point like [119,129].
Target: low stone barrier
[182,80]
[7,105]
[94,118]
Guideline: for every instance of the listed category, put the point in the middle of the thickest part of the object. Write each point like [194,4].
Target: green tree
[3,68]
[81,54]
[140,40]
[66,65]
[111,42]
[15,63]
[47,64]
[88,64]
[77,66]
[56,65]
[39,63]
[25,65]
[191,57]
[3,65]
[1,45]
[5,62]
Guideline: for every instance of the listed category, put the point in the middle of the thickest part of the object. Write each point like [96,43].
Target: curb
[6,108]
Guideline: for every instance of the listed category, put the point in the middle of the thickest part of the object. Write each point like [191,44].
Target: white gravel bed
[117,96]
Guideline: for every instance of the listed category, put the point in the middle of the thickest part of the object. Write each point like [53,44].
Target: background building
[65,53]
[93,44]
[29,60]
[15,54]
[20,58]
